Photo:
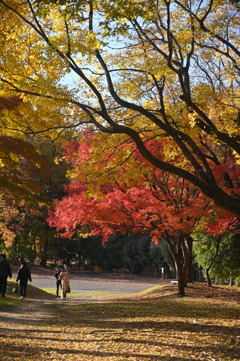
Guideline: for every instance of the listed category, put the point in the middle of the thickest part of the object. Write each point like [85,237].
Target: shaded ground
[155,325]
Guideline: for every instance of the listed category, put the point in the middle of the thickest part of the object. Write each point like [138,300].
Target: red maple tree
[159,204]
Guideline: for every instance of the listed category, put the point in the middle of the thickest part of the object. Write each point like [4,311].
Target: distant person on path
[24,275]
[58,270]
[64,276]
[5,272]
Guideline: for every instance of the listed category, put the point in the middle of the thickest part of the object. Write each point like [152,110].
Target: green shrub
[237,281]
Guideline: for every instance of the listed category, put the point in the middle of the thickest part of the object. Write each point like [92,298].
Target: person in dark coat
[58,270]
[5,272]
[24,275]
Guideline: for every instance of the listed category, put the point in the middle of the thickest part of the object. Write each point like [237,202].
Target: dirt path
[28,313]
[86,281]
[36,309]
[203,326]
[33,311]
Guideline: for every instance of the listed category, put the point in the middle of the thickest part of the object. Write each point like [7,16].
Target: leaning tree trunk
[209,281]
[189,257]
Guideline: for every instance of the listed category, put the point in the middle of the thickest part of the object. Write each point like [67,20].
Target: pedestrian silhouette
[5,272]
[24,275]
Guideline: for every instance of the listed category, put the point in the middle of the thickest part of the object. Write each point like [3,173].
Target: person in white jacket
[65,276]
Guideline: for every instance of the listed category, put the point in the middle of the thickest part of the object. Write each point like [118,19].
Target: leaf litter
[202,326]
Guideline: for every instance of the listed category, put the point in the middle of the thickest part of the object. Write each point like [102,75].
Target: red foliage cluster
[156,204]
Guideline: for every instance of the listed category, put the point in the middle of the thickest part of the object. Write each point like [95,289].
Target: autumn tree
[23,171]
[111,194]
[36,230]
[8,212]
[163,69]
[32,173]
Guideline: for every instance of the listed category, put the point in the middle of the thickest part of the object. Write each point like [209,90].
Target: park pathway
[86,287]
[85,281]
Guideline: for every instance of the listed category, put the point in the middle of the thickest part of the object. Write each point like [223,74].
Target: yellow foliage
[156,67]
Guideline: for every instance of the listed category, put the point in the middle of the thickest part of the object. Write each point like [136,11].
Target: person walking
[5,272]
[65,276]
[58,270]
[24,275]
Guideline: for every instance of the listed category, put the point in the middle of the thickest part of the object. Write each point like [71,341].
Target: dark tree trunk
[44,241]
[181,249]
[180,275]
[43,262]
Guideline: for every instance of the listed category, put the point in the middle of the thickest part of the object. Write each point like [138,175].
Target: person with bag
[24,275]
[15,288]
[5,272]
[64,276]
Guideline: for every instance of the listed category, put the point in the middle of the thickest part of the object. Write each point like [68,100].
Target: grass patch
[156,325]
[12,299]
[88,294]
[157,291]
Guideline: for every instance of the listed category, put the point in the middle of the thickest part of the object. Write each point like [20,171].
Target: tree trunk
[188,254]
[44,235]
[181,277]
[180,253]
[209,282]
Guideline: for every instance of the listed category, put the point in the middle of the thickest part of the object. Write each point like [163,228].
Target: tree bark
[180,275]
[209,281]
[44,235]
[190,259]
[181,253]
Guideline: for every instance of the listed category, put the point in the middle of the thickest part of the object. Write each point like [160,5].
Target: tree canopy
[109,196]
[164,70]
